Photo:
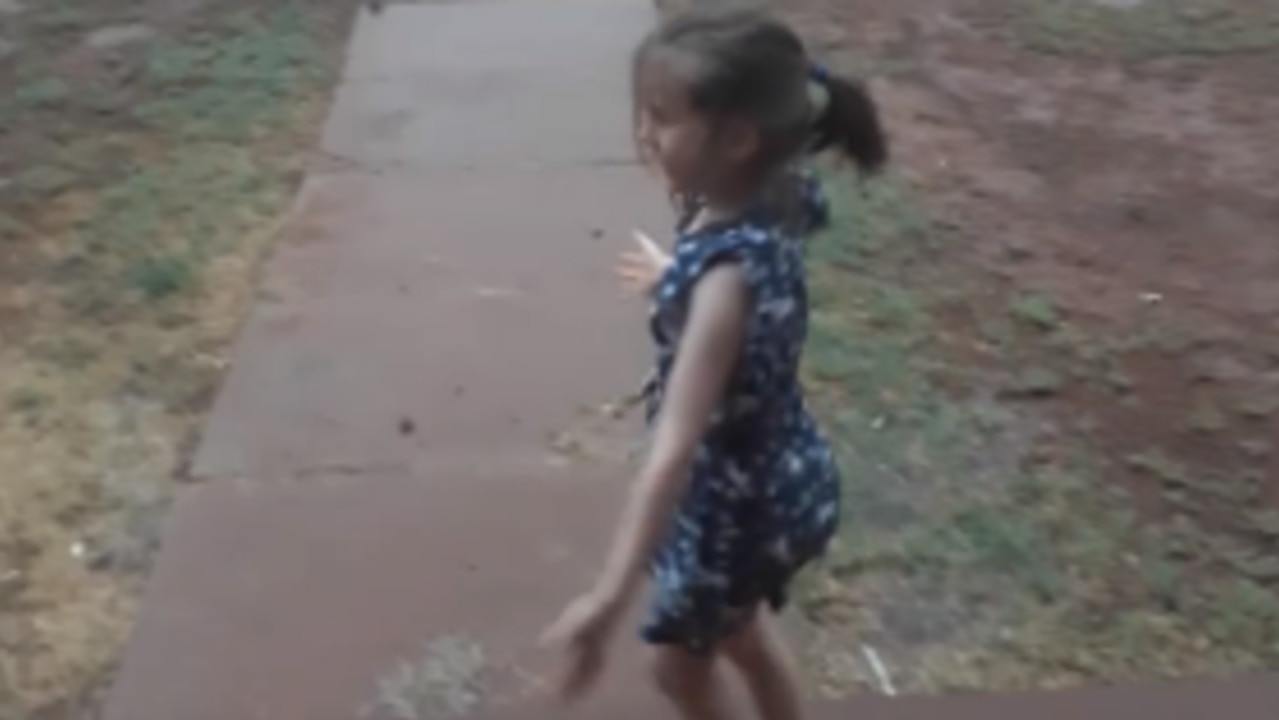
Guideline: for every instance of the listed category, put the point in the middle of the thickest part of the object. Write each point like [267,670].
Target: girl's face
[694,154]
[672,136]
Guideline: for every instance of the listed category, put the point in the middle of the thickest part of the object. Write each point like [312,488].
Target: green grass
[204,101]
[159,277]
[232,83]
[41,92]
[1037,310]
[156,227]
[159,222]
[1036,382]
[956,504]
[43,180]
[59,17]
[25,400]
[1155,28]
[872,218]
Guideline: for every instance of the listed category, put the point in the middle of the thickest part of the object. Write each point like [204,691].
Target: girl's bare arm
[708,353]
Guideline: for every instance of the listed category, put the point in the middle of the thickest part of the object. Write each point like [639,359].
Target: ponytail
[849,123]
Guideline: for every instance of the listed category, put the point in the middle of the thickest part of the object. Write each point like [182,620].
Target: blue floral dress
[763,499]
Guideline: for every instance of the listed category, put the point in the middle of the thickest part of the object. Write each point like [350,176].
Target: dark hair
[745,64]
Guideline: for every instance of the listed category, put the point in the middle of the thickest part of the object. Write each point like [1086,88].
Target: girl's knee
[752,649]
[745,642]
[680,675]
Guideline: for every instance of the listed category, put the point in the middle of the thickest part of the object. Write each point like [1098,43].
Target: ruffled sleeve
[697,254]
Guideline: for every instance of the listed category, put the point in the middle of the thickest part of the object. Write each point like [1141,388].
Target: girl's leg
[758,653]
[691,683]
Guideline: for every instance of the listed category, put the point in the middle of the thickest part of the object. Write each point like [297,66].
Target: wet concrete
[488,84]
[290,602]
[552,37]
[380,468]
[479,307]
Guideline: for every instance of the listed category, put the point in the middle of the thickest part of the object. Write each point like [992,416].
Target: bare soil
[1139,197]
[1105,184]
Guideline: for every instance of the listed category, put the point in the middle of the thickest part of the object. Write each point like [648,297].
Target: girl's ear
[740,141]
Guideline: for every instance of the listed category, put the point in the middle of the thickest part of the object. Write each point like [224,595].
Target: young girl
[739,490]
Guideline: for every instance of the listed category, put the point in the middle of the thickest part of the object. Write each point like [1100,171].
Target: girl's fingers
[638,260]
[638,271]
[635,274]
[638,264]
[652,251]
[647,243]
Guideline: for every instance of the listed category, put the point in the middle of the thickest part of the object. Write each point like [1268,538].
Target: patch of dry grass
[1153,28]
[136,249]
[448,681]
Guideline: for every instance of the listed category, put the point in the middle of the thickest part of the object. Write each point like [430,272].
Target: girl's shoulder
[754,247]
[748,234]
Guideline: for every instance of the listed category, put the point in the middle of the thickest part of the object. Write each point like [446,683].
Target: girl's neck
[723,206]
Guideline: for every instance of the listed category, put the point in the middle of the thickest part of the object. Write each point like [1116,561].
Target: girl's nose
[647,145]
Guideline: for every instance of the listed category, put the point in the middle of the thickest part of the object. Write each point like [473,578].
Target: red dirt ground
[1101,184]
[1140,195]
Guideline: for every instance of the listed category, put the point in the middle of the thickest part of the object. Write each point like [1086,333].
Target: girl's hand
[640,271]
[583,631]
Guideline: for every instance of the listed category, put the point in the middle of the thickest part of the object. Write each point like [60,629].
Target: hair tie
[818,92]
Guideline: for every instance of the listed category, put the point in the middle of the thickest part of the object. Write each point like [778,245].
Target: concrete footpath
[413,441]
[412,464]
